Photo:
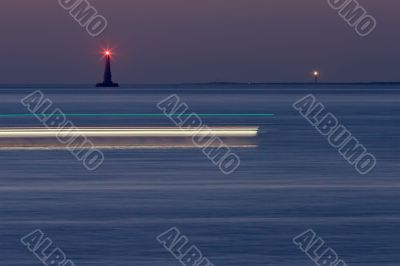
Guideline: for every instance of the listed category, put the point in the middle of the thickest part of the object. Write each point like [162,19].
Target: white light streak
[239,131]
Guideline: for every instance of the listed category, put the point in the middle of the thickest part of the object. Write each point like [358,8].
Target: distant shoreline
[221,84]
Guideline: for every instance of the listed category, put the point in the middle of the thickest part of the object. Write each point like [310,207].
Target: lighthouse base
[107,84]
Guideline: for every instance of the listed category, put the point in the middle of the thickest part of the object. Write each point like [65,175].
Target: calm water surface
[293,181]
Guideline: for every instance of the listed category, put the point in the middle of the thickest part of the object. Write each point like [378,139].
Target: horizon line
[210,83]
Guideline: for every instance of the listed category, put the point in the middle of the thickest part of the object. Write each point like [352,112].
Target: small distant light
[315,74]
[108,53]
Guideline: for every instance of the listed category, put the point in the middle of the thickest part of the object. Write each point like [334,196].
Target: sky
[179,41]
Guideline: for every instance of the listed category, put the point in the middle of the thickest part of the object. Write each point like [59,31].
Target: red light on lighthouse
[107,52]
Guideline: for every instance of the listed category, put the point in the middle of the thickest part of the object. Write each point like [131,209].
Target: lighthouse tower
[107,73]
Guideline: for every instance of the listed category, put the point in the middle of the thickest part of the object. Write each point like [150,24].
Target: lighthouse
[107,73]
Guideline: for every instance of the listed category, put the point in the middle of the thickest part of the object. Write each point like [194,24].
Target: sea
[290,182]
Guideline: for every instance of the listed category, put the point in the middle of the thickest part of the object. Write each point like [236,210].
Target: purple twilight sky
[173,41]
